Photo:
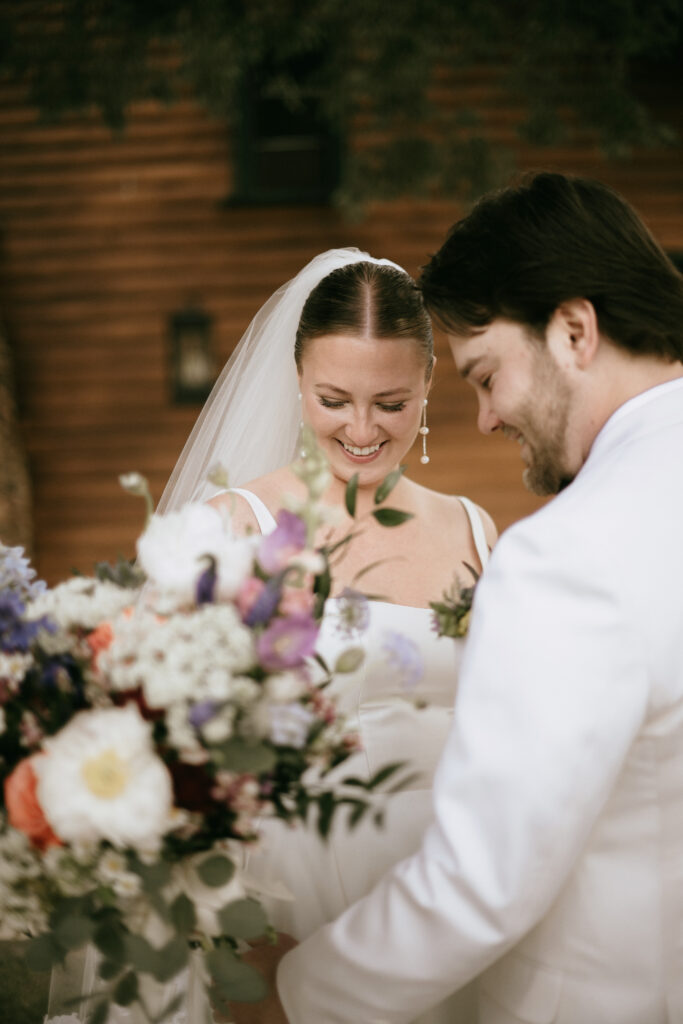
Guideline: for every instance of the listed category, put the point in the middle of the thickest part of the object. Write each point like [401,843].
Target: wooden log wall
[103,238]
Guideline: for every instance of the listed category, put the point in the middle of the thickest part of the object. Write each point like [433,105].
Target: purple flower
[16,573]
[404,658]
[202,712]
[353,613]
[287,539]
[206,584]
[264,606]
[15,633]
[287,642]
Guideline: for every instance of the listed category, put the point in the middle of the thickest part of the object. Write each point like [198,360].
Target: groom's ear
[576,332]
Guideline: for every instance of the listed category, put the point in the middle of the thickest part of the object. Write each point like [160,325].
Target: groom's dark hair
[524,250]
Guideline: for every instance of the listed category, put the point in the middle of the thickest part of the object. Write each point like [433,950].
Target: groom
[554,865]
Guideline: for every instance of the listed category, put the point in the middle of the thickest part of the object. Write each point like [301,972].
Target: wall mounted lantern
[192,360]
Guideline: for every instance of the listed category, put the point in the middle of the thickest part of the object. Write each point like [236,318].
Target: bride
[346,347]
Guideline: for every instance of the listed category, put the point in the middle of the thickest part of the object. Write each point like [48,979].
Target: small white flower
[101,779]
[219,728]
[13,668]
[309,561]
[290,724]
[285,687]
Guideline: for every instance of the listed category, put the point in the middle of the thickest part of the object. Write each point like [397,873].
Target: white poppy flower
[101,779]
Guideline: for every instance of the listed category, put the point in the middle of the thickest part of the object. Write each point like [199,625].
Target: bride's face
[363,398]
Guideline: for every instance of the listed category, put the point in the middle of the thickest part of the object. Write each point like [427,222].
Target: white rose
[173,549]
[284,687]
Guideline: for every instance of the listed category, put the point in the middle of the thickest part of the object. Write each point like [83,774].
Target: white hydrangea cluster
[76,606]
[194,656]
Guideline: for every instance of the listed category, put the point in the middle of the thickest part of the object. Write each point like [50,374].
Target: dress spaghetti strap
[264,516]
[477,528]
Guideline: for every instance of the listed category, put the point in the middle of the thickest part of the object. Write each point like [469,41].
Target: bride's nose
[361,428]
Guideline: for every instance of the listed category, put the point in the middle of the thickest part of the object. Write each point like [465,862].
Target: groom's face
[522,391]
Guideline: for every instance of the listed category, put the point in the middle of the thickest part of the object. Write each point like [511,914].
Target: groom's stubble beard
[547,422]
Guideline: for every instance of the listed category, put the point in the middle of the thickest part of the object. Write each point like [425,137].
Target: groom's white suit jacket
[555,861]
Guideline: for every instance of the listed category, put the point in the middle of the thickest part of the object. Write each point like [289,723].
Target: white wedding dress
[325,877]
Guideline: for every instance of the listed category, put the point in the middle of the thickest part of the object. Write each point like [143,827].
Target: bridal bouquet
[148,718]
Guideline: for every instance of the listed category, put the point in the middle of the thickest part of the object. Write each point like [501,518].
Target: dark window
[284,153]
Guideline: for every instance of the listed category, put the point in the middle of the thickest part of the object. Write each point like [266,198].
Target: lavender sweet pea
[287,642]
[287,539]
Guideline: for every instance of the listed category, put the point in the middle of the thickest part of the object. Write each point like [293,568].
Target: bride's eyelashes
[335,403]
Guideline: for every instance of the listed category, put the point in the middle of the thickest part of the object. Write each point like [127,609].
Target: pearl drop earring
[424,430]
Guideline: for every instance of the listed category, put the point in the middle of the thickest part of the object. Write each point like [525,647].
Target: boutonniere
[451,615]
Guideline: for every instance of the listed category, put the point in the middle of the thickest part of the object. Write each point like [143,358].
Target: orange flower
[24,810]
[100,638]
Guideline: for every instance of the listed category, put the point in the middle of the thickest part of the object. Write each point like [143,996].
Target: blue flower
[15,633]
[404,658]
[16,573]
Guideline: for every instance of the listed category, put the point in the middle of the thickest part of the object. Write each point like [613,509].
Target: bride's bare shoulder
[440,506]
[269,488]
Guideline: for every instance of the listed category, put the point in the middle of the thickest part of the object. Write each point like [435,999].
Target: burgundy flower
[286,540]
[287,642]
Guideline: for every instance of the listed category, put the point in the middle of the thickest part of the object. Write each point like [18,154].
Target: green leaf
[387,485]
[383,774]
[243,919]
[110,941]
[108,970]
[74,931]
[154,876]
[233,979]
[357,814]
[183,914]
[171,1007]
[351,494]
[326,806]
[100,1013]
[215,870]
[42,953]
[126,991]
[142,955]
[172,958]
[245,758]
[349,660]
[391,516]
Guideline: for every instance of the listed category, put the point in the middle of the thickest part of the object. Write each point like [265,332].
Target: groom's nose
[487,420]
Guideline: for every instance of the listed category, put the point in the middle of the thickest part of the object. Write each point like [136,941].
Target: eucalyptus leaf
[350,660]
[243,919]
[351,494]
[387,485]
[172,958]
[357,814]
[108,970]
[109,939]
[245,758]
[142,955]
[126,991]
[74,931]
[42,953]
[215,870]
[183,914]
[171,1007]
[100,1013]
[391,516]
[233,979]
